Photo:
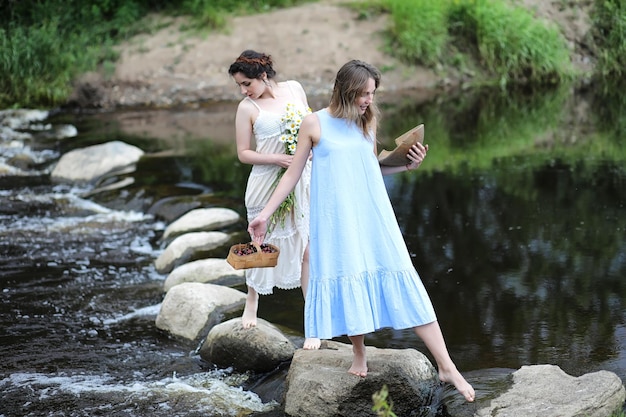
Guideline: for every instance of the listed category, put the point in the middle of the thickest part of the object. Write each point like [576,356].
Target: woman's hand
[416,155]
[257,229]
[283,160]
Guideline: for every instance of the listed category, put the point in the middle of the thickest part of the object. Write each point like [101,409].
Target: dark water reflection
[516,223]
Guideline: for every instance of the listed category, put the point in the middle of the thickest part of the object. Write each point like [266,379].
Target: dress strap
[293,94]
[253,102]
[290,89]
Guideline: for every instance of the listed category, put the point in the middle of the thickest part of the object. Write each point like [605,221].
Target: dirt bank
[308,43]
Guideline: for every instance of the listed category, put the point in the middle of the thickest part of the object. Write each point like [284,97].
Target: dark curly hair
[253,64]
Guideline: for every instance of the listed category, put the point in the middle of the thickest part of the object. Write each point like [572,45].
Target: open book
[397,156]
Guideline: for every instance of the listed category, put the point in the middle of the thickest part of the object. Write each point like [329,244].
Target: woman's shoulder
[247,109]
[312,119]
[294,85]
[246,103]
[291,83]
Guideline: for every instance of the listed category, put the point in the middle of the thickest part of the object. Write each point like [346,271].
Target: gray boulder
[211,270]
[318,383]
[202,219]
[188,247]
[547,391]
[90,163]
[260,349]
[171,208]
[190,308]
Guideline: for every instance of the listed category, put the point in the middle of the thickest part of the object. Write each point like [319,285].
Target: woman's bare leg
[248,319]
[359,359]
[433,338]
[310,343]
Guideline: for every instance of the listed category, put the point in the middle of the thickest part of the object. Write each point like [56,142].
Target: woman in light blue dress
[361,275]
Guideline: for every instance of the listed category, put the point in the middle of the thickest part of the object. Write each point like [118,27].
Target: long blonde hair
[350,82]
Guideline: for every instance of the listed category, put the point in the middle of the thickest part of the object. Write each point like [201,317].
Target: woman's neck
[270,90]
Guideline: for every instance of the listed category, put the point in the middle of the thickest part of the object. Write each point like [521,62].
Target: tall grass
[39,62]
[513,44]
[509,42]
[44,46]
[419,30]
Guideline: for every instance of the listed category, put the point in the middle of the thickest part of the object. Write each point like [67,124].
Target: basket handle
[256,245]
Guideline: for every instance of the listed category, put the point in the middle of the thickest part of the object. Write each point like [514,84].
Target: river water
[516,222]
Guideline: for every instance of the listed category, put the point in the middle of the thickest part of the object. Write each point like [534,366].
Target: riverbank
[170,67]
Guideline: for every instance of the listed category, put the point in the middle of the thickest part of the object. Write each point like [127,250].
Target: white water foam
[149,311]
[214,393]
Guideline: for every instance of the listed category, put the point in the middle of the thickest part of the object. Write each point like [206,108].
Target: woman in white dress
[362,277]
[259,125]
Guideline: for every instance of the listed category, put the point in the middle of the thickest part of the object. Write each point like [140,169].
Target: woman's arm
[307,138]
[244,119]
[416,155]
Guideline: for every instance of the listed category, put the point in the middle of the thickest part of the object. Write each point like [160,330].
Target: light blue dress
[361,274]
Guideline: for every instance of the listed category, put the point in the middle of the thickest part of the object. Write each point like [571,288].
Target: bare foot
[248,319]
[455,378]
[359,361]
[312,343]
[358,369]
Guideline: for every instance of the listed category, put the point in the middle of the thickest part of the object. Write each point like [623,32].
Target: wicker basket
[257,259]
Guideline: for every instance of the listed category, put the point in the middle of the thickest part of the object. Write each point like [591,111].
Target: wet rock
[21,118]
[22,161]
[547,391]
[212,270]
[123,183]
[202,219]
[47,131]
[319,385]
[171,208]
[188,247]
[259,349]
[91,163]
[189,308]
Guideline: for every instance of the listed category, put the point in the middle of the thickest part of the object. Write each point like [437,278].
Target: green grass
[419,30]
[506,42]
[38,64]
[45,46]
[512,44]
[383,405]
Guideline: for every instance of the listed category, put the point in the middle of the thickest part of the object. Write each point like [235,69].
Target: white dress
[291,239]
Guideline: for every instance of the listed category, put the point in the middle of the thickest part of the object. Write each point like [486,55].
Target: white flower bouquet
[291,122]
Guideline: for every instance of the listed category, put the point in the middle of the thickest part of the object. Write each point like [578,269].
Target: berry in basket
[250,248]
[253,255]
